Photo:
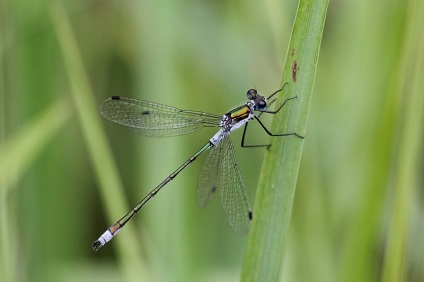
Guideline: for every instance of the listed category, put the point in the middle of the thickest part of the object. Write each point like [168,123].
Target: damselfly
[219,169]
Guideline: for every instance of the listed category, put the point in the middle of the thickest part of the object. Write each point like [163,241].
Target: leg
[250,146]
[264,127]
[269,104]
[271,134]
[279,90]
[280,107]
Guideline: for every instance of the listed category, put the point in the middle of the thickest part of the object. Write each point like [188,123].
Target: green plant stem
[17,154]
[20,151]
[266,245]
[99,150]
[410,146]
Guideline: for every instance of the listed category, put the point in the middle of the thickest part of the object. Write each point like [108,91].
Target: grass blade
[17,154]
[266,246]
[100,153]
[410,144]
[21,150]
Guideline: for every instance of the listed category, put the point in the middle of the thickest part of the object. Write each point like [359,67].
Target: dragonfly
[220,169]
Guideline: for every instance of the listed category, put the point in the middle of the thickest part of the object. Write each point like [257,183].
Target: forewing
[153,119]
[233,195]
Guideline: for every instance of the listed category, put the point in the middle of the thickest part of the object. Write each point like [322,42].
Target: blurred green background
[205,55]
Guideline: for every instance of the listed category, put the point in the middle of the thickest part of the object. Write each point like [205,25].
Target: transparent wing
[208,178]
[233,195]
[153,119]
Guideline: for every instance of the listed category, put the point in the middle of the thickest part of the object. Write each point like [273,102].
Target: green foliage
[66,174]
[267,241]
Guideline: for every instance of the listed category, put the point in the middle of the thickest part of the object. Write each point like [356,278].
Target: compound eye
[251,94]
[261,105]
